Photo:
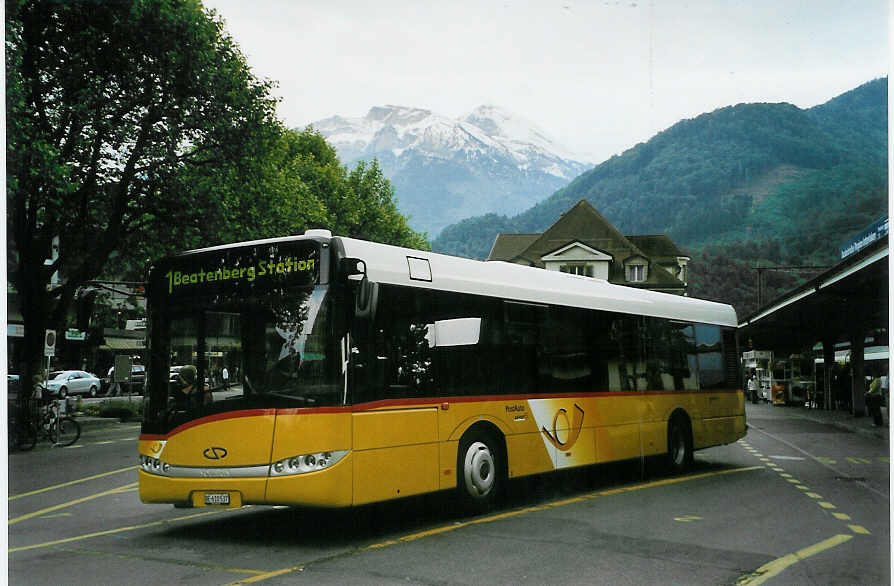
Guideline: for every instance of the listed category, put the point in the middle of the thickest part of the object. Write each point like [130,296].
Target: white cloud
[600,76]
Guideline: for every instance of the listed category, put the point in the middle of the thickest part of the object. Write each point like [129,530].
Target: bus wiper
[303,400]
[251,387]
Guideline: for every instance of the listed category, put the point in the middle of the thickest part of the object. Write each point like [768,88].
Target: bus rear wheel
[679,445]
[480,471]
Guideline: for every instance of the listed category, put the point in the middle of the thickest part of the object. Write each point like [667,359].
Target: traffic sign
[49,343]
[75,335]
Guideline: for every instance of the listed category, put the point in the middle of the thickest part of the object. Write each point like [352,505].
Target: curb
[102,422]
[876,433]
[866,431]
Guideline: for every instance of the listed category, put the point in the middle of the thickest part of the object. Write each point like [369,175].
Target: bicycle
[58,427]
[49,421]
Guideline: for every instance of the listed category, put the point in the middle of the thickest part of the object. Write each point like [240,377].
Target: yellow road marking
[801,486]
[266,575]
[545,506]
[688,518]
[774,568]
[793,480]
[859,529]
[842,516]
[509,514]
[42,512]
[73,482]
[407,538]
[813,495]
[826,505]
[858,460]
[111,531]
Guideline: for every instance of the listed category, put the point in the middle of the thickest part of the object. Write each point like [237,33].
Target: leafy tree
[296,183]
[107,103]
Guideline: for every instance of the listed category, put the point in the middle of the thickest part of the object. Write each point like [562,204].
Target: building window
[636,273]
[577,269]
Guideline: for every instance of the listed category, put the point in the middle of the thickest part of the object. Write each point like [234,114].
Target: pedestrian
[225,374]
[752,388]
[874,401]
[191,394]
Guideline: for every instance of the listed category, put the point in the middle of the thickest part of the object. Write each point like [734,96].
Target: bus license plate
[217,498]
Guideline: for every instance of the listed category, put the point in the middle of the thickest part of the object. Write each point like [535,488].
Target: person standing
[874,401]
[225,375]
[752,388]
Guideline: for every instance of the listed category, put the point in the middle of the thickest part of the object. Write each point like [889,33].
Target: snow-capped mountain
[444,170]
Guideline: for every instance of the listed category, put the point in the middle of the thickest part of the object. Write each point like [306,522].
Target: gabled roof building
[583,242]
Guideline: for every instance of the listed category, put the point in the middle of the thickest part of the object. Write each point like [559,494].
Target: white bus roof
[427,270]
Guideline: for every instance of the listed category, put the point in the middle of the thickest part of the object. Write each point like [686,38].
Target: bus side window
[625,367]
[711,365]
[523,361]
[566,361]
[602,353]
[670,355]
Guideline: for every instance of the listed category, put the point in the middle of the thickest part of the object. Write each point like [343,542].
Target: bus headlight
[304,463]
[154,465]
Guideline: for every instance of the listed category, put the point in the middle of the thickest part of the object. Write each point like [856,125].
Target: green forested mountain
[744,185]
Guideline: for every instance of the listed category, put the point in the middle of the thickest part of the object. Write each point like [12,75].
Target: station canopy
[849,299]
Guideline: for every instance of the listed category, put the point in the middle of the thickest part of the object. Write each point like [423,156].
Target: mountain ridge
[712,159]
[444,169]
[742,186]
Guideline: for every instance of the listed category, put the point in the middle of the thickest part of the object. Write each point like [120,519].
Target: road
[795,502]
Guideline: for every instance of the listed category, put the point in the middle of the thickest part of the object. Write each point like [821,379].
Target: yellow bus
[327,371]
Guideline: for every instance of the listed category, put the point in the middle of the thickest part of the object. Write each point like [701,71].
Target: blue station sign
[870,234]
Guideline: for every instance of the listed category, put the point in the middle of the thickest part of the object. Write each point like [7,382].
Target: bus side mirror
[351,271]
[366,297]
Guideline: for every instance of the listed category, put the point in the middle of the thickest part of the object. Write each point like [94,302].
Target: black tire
[92,392]
[480,470]
[679,445]
[63,392]
[67,432]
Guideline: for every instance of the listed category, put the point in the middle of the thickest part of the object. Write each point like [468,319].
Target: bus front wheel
[480,471]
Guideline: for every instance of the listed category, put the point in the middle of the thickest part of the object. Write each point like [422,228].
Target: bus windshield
[239,345]
[262,352]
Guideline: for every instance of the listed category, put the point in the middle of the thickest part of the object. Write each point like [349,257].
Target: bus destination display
[267,266]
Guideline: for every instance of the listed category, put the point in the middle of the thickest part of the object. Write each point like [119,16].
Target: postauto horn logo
[573,429]
[215,453]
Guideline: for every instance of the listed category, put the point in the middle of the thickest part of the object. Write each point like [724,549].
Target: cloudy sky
[599,76]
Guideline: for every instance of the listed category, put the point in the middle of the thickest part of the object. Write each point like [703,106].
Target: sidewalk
[841,419]
[91,422]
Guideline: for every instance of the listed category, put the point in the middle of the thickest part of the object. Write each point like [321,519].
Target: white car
[73,382]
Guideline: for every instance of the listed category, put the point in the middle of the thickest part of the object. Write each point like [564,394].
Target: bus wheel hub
[478,469]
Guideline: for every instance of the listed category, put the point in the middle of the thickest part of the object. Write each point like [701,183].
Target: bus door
[395,423]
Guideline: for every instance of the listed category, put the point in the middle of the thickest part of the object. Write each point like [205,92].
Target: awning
[123,344]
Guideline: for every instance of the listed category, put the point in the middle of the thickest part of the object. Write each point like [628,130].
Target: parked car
[73,382]
[13,384]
